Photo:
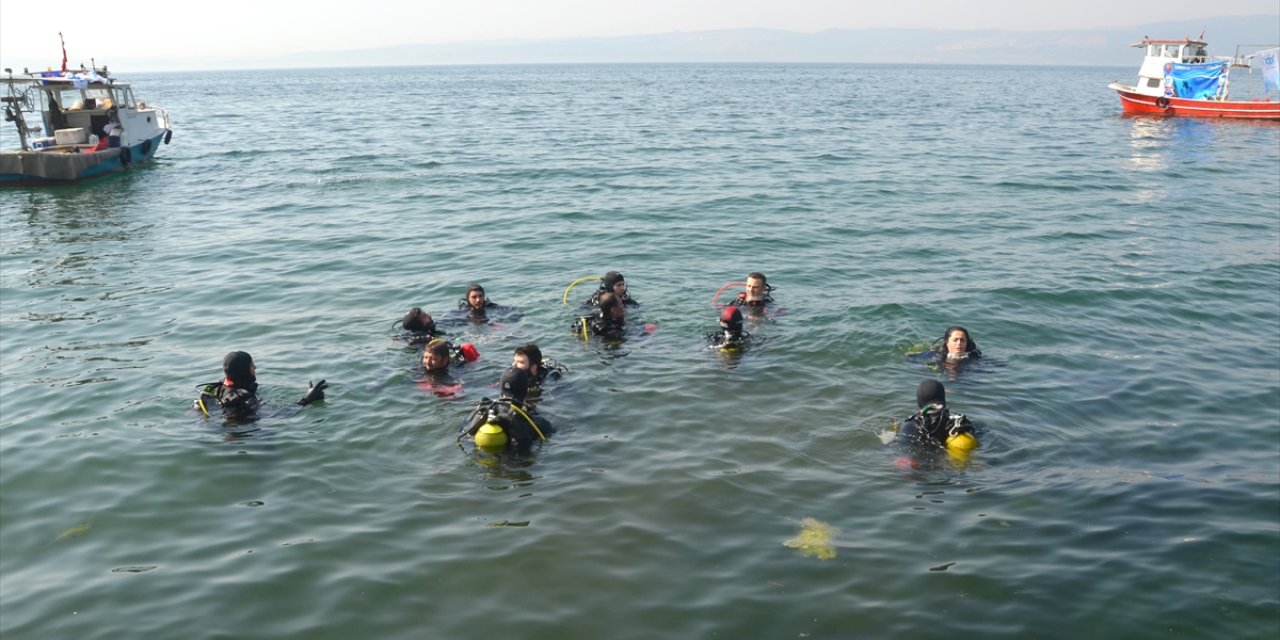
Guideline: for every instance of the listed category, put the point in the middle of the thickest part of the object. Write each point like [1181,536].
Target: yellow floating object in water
[72,532]
[490,437]
[814,540]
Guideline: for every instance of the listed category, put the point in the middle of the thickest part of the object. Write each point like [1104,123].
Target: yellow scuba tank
[962,442]
[960,445]
[490,437]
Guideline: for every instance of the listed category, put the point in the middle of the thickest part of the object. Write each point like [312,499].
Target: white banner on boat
[1269,59]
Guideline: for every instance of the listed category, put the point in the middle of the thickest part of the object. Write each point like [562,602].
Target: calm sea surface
[1121,274]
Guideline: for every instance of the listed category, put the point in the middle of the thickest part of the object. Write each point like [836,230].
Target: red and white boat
[1161,91]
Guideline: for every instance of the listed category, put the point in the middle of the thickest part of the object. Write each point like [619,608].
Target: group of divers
[512,421]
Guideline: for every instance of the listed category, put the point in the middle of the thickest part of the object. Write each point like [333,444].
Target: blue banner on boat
[1206,81]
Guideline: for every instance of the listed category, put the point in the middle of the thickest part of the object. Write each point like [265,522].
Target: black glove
[314,392]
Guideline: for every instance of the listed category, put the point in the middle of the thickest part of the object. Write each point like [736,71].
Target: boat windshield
[83,99]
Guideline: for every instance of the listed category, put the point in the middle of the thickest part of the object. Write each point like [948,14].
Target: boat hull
[51,167]
[1135,103]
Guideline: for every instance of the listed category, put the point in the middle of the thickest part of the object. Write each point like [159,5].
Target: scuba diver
[237,393]
[731,336]
[476,303]
[529,357]
[934,427]
[436,358]
[506,423]
[955,346]
[756,296]
[476,308]
[615,283]
[608,322]
[440,353]
[418,328]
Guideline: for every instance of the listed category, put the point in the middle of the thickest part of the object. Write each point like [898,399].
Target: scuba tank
[491,437]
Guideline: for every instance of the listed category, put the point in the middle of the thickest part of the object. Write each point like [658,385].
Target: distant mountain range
[1080,47]
[919,46]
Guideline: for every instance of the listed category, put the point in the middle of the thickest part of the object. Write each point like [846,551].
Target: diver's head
[527,357]
[435,356]
[756,286]
[931,397]
[731,320]
[931,392]
[957,344]
[611,306]
[239,369]
[418,321]
[476,298]
[614,282]
[514,385]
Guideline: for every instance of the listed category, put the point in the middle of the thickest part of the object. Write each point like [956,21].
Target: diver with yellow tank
[934,427]
[506,423]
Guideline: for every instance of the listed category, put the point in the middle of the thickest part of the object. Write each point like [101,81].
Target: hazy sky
[238,29]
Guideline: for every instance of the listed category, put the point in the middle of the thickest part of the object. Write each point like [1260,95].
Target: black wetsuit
[728,340]
[238,403]
[420,338]
[600,324]
[931,428]
[545,372]
[594,300]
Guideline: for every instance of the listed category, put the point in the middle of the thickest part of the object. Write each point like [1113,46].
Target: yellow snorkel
[565,298]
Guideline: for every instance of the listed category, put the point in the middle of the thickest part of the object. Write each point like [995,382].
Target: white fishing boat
[75,125]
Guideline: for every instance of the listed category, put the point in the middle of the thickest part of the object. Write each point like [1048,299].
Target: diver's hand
[314,392]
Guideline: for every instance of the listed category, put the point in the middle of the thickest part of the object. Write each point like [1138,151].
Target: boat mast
[13,110]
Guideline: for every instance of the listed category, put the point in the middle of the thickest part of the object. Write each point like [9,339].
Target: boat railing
[162,116]
[1245,60]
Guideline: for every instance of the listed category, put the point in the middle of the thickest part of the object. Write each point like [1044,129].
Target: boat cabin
[1161,52]
[90,108]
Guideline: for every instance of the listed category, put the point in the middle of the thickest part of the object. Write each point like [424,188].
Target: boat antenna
[64,51]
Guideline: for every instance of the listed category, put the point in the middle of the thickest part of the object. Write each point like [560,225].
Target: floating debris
[508,523]
[72,532]
[137,568]
[815,539]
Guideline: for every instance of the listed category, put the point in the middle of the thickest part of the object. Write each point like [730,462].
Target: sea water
[1121,275]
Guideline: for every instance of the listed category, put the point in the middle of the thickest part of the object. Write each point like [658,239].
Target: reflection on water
[506,470]
[1147,145]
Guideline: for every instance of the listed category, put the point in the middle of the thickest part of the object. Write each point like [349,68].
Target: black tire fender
[126,157]
[1162,102]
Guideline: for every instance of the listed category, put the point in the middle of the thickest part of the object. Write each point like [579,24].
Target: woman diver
[612,282]
[956,346]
